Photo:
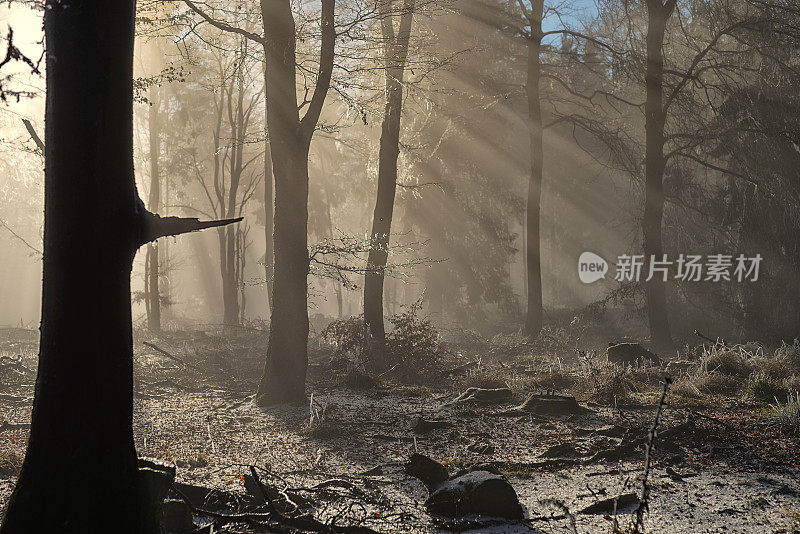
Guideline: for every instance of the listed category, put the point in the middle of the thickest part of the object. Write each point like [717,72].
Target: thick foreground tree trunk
[655,120]
[80,470]
[396,52]
[533,321]
[284,374]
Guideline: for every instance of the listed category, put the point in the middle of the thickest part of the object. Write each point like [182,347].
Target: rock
[485,396]
[155,480]
[556,405]
[177,516]
[477,492]
[427,470]
[630,354]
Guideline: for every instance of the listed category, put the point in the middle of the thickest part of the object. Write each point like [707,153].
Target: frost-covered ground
[731,472]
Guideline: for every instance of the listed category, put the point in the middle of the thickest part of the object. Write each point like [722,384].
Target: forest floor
[726,468]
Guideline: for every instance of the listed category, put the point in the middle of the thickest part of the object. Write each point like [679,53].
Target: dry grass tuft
[725,362]
[788,415]
[554,379]
[716,383]
[762,387]
[10,463]
[686,388]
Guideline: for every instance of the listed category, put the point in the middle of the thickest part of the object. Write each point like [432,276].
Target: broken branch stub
[154,226]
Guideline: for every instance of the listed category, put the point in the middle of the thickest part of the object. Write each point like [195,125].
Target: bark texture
[80,470]
[396,54]
[290,137]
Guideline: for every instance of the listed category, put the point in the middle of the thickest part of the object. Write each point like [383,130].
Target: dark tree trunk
[80,469]
[533,321]
[284,374]
[153,294]
[396,52]
[230,291]
[655,120]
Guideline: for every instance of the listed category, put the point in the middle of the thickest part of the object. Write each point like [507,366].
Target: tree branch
[154,226]
[34,135]
[309,122]
[224,26]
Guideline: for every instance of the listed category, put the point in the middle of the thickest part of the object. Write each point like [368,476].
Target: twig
[715,341]
[651,438]
[304,523]
[168,355]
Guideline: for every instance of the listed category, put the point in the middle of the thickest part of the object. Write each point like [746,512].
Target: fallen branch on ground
[168,355]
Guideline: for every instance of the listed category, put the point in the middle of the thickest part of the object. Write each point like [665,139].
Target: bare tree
[395,46]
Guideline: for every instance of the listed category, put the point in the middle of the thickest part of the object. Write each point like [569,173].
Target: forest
[377,266]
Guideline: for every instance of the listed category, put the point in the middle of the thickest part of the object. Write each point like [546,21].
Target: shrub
[792,383]
[716,383]
[413,346]
[349,336]
[790,353]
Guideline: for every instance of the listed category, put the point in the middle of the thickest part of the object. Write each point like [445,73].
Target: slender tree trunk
[396,48]
[524,257]
[337,286]
[80,470]
[655,119]
[241,264]
[230,296]
[533,321]
[269,204]
[153,292]
[229,252]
